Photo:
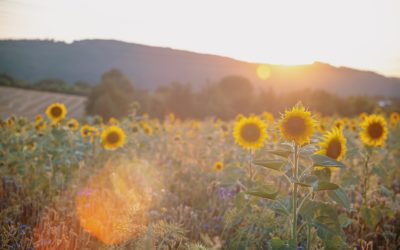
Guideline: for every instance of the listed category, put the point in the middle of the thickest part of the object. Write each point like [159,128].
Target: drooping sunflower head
[73,124]
[250,132]
[113,137]
[297,125]
[374,131]
[56,112]
[333,144]
[218,166]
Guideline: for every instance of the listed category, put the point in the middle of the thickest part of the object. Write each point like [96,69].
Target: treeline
[49,84]
[116,96]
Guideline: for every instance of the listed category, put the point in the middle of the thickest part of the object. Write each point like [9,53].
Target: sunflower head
[38,119]
[148,130]
[374,131]
[339,123]
[269,117]
[250,132]
[73,124]
[113,121]
[88,131]
[56,112]
[218,166]
[297,125]
[113,137]
[333,144]
[394,119]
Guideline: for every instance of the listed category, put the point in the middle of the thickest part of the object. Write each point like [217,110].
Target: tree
[112,97]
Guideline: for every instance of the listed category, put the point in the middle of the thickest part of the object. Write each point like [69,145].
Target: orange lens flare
[113,205]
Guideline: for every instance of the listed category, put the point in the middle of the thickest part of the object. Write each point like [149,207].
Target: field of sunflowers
[299,180]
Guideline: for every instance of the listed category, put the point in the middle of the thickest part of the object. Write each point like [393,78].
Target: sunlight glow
[113,205]
[263,71]
[361,33]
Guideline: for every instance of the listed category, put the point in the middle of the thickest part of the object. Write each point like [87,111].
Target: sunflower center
[250,132]
[56,111]
[112,137]
[295,126]
[375,130]
[334,149]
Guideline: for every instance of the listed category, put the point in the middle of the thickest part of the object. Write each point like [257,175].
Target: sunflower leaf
[324,185]
[276,165]
[265,191]
[325,161]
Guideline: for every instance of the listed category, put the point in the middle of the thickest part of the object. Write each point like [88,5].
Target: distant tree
[112,97]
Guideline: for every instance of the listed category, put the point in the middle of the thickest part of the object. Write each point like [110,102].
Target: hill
[151,67]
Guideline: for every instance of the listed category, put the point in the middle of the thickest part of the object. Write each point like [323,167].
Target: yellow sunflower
[339,123]
[374,130]
[250,132]
[38,119]
[148,130]
[363,116]
[113,121]
[394,119]
[88,131]
[269,117]
[73,124]
[218,166]
[56,112]
[113,137]
[297,125]
[333,144]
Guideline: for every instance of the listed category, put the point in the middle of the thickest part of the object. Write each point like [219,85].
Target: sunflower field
[299,180]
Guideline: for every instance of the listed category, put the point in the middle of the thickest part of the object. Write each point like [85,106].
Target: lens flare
[263,71]
[113,205]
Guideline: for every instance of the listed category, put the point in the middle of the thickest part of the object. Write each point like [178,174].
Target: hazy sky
[362,34]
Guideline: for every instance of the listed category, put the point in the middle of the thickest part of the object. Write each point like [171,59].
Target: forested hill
[150,67]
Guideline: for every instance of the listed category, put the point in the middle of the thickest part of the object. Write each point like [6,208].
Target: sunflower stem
[294,198]
[366,177]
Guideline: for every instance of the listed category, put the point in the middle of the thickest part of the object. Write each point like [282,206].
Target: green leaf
[344,220]
[386,192]
[325,161]
[308,181]
[340,197]
[284,151]
[324,185]
[371,216]
[276,165]
[277,243]
[326,221]
[265,191]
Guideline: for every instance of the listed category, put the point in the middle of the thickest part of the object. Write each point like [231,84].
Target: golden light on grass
[263,71]
[114,203]
[374,131]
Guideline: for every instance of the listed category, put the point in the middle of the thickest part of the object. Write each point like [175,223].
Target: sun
[250,132]
[263,71]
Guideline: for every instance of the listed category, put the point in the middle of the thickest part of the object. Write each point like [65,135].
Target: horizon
[368,40]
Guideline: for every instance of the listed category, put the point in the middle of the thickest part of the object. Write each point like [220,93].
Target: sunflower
[38,119]
[113,121]
[333,144]
[73,124]
[250,132]
[363,116]
[40,126]
[297,125]
[268,117]
[339,123]
[374,130]
[56,112]
[147,129]
[88,131]
[218,166]
[113,137]
[394,119]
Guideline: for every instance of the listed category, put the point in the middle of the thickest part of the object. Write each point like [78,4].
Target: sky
[361,34]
